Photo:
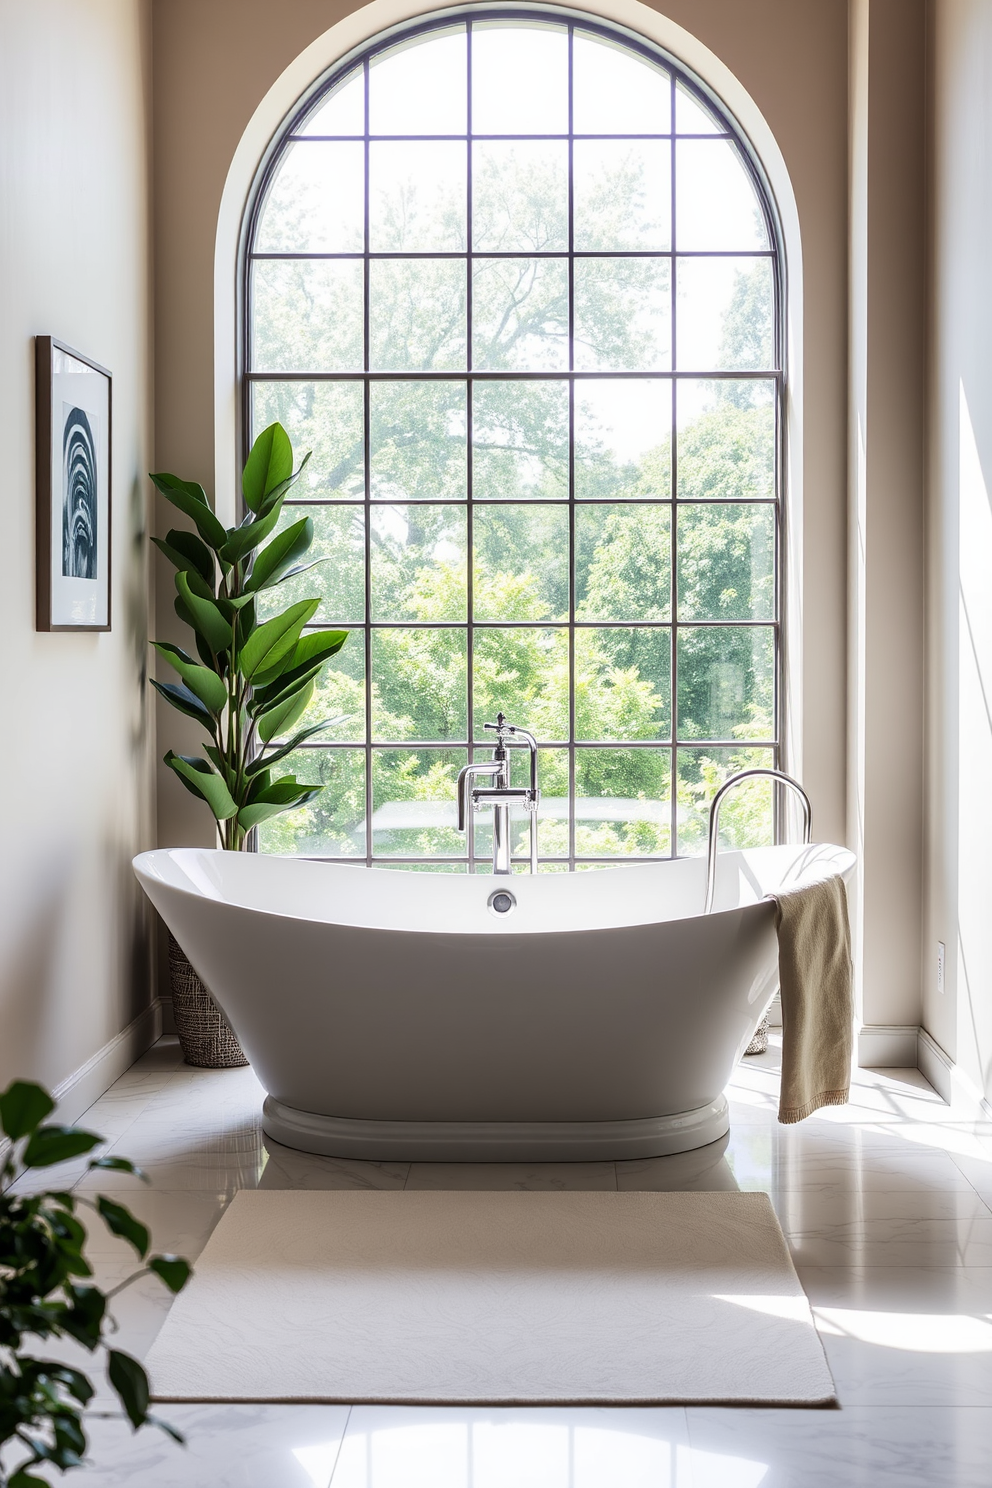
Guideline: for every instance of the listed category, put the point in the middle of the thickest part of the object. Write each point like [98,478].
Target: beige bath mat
[441,1297]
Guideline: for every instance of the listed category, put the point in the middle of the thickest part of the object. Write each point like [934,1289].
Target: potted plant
[249,683]
[46,1292]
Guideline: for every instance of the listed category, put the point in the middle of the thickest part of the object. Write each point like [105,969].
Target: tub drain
[501,901]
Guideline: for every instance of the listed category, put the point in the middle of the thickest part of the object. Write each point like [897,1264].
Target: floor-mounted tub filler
[413,1016]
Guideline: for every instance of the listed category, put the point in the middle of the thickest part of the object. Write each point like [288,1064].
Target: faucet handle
[499,727]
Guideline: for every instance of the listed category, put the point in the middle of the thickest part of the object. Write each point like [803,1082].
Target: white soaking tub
[391,1014]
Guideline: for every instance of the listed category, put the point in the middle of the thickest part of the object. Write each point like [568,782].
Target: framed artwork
[73,412]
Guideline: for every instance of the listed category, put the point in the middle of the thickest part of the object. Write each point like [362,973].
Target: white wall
[76,738]
[959,795]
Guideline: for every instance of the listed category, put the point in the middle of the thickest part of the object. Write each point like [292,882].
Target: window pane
[726,562]
[552,814]
[341,111]
[520,314]
[622,802]
[623,194]
[617,92]
[726,310]
[316,202]
[307,316]
[623,684]
[414,811]
[419,684]
[417,314]
[339,694]
[420,86]
[520,440]
[519,79]
[333,824]
[623,437]
[623,562]
[745,815]
[725,682]
[524,674]
[417,196]
[623,315]
[418,563]
[692,117]
[521,562]
[716,207]
[327,418]
[418,440]
[338,539]
[519,196]
[726,440]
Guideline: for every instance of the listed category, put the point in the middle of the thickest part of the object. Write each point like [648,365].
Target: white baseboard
[888,1046]
[950,1081]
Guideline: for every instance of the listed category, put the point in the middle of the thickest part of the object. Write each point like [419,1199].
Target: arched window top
[515,280]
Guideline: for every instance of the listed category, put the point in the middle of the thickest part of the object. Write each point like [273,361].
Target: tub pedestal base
[495,1141]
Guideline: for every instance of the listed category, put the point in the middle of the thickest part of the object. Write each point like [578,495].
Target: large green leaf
[185,702]
[311,649]
[272,643]
[279,691]
[283,795]
[55,1144]
[268,465]
[191,499]
[241,540]
[207,618]
[281,553]
[203,781]
[23,1106]
[279,491]
[208,687]
[265,760]
[186,551]
[173,1270]
[274,723]
[121,1222]
[131,1383]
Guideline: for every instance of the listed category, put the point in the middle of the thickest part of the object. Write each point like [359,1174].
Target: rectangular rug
[494,1298]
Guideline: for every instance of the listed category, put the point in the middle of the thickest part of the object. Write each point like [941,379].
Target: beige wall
[959,800]
[75,799]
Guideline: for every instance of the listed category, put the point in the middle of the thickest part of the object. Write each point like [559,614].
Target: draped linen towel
[816,974]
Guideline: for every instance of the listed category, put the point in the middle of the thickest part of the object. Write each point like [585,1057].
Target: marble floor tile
[286,1168]
[489,1176]
[802,1209]
[453,1447]
[227,1446]
[179,1223]
[858,1447]
[704,1170]
[895,1242]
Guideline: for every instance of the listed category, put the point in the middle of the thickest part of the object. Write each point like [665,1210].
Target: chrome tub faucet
[500,794]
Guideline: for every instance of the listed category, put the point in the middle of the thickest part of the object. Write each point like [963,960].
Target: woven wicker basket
[759,1044]
[205,1036]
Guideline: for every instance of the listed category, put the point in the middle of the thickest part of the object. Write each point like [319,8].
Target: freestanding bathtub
[391,1014]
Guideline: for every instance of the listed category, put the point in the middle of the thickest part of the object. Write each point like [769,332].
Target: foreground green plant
[253,681]
[46,1293]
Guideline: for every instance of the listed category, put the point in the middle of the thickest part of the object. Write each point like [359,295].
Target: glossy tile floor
[887,1204]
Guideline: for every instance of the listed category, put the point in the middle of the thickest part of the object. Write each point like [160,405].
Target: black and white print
[80,501]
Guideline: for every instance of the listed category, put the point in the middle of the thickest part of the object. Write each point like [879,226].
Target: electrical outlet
[940,967]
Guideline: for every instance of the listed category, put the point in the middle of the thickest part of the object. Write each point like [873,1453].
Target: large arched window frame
[372,818]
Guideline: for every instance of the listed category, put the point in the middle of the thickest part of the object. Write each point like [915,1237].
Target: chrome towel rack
[715,804]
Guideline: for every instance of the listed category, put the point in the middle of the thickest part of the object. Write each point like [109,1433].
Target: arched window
[516,283]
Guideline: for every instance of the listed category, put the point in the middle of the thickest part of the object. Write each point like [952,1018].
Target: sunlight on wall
[974,743]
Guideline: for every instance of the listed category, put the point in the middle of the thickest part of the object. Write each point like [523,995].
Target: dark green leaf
[195,554]
[268,465]
[131,1383]
[119,1165]
[54,1144]
[278,492]
[253,816]
[191,499]
[281,690]
[203,781]
[24,1479]
[265,760]
[283,551]
[185,702]
[207,618]
[83,1319]
[176,1436]
[75,1381]
[208,687]
[274,641]
[173,1270]
[241,540]
[311,649]
[277,721]
[121,1222]
[23,1106]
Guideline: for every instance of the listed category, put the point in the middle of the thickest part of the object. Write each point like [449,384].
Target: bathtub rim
[495,1141]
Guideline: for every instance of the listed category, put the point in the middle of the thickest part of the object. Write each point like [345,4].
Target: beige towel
[814,961]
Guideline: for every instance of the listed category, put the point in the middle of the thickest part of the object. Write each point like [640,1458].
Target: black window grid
[673,744]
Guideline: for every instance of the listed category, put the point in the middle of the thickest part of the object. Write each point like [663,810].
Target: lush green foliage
[255,677]
[47,1292]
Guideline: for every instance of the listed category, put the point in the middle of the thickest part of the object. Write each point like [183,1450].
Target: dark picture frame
[73,427]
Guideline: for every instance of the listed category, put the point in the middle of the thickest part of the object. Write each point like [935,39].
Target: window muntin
[531,335]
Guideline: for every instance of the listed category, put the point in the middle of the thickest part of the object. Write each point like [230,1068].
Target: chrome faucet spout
[500,794]
[760,772]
